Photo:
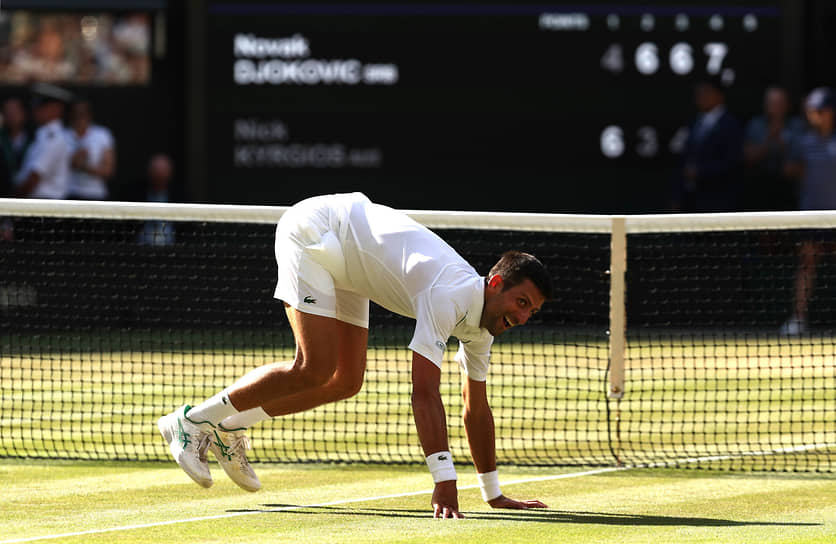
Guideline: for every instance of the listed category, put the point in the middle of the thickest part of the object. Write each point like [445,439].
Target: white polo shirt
[49,156]
[96,140]
[409,270]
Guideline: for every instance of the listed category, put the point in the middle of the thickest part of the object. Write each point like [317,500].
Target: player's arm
[431,423]
[479,425]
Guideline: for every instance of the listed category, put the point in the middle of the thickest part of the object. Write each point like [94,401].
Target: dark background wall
[488,105]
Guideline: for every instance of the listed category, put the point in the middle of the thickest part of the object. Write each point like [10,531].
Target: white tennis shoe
[230,448]
[188,444]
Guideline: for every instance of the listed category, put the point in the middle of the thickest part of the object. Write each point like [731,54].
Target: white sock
[245,419]
[213,410]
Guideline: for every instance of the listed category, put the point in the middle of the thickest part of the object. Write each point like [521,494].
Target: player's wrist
[489,485]
[441,466]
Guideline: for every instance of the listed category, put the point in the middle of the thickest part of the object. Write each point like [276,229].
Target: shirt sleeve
[434,322]
[474,358]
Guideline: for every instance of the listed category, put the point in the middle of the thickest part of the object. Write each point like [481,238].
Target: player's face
[506,309]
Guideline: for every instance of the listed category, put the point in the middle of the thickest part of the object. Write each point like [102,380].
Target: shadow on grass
[533,516]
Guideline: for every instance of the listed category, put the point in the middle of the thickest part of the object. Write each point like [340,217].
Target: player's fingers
[436,511]
[450,513]
[518,505]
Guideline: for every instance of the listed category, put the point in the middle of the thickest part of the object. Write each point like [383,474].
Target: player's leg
[190,431]
[349,341]
[230,442]
[302,282]
[345,382]
[805,281]
[313,366]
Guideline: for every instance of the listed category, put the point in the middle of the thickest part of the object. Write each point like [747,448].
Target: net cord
[543,222]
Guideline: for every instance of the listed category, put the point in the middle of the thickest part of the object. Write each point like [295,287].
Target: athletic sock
[245,419]
[213,410]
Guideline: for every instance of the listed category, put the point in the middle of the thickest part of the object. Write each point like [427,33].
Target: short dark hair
[514,267]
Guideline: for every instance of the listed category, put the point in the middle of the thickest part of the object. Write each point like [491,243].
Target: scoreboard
[555,107]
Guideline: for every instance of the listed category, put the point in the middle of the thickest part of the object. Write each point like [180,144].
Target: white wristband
[441,466]
[489,485]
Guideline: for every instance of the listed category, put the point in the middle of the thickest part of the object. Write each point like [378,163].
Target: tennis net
[663,346]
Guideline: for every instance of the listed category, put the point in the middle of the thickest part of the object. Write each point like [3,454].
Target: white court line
[593,472]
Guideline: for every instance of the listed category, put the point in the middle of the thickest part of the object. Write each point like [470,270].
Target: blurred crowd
[775,161]
[51,147]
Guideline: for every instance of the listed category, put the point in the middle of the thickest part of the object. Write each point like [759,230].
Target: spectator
[158,181]
[710,178]
[93,154]
[766,144]
[15,138]
[813,161]
[45,169]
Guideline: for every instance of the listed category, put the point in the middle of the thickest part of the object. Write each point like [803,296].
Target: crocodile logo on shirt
[309,300]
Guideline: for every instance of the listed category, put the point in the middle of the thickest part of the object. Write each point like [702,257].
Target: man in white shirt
[44,172]
[93,154]
[334,254]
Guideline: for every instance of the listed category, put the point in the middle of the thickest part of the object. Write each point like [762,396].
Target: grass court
[77,400]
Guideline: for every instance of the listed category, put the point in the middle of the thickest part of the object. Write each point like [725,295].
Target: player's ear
[495,281]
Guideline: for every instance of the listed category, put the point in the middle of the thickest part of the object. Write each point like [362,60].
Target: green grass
[328,503]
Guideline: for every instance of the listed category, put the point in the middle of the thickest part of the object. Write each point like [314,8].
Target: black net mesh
[719,373]
[105,325]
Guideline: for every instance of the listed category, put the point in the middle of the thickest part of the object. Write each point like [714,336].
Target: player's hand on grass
[504,502]
[446,500]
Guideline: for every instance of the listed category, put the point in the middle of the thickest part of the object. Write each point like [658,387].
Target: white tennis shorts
[311,266]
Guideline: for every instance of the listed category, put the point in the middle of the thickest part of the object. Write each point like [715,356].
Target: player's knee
[346,388]
[314,372]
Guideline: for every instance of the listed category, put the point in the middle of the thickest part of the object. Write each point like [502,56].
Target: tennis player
[335,253]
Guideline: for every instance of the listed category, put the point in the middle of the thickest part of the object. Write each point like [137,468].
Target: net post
[618,267]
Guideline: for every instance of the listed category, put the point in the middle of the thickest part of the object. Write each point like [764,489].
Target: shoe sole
[242,485]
